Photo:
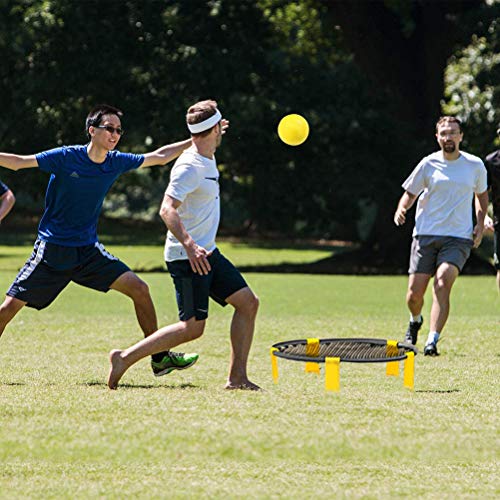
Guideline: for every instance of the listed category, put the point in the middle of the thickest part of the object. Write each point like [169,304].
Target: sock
[416,319]
[432,338]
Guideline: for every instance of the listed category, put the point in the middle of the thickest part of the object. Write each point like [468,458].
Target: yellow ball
[293,129]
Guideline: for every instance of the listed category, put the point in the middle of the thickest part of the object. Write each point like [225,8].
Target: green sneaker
[174,361]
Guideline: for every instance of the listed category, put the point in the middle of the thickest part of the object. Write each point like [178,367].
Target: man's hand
[198,258]
[224,125]
[405,203]
[477,234]
[400,216]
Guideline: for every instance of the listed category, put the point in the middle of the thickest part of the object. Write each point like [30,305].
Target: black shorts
[193,289]
[51,267]
[496,247]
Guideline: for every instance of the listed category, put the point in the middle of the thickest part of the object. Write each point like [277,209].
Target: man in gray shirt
[445,183]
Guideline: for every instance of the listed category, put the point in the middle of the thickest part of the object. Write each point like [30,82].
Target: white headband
[207,124]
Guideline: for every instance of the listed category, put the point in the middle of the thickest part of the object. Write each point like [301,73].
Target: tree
[403,47]
[368,76]
[473,86]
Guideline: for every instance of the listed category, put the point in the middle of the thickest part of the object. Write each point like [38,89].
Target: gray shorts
[429,252]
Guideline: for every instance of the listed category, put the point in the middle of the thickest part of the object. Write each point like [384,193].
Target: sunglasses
[111,129]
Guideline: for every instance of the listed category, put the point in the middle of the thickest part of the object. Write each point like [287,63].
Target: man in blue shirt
[67,248]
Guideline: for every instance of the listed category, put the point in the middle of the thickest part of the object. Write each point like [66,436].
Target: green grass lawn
[63,434]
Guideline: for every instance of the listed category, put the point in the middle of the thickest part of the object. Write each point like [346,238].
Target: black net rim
[321,359]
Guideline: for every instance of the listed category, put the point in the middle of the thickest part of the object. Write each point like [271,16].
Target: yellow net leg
[409,371]
[274,365]
[332,374]
[312,349]
[312,367]
[392,368]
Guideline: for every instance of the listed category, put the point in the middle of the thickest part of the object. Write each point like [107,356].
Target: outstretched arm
[165,154]
[196,254]
[17,162]
[405,203]
[481,204]
[7,201]
[170,152]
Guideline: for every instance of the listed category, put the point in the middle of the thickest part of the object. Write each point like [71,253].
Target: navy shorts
[429,252]
[193,289]
[51,267]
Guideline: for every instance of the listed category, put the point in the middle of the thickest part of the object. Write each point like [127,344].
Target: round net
[351,350]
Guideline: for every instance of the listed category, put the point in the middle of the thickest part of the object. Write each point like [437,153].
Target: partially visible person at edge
[191,212]
[67,248]
[445,183]
[492,163]
[7,200]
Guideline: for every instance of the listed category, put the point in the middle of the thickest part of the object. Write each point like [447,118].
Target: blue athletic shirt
[76,192]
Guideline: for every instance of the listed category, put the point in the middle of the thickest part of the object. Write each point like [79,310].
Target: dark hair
[95,116]
[449,119]
[200,112]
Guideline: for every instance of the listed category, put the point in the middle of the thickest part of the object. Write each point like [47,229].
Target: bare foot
[118,368]
[245,386]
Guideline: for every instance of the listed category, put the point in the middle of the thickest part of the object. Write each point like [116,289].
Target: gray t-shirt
[446,190]
[194,181]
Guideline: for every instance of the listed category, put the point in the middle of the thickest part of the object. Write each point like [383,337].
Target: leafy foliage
[260,60]
[473,88]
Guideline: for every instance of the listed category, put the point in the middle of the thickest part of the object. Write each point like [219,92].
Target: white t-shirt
[446,190]
[194,181]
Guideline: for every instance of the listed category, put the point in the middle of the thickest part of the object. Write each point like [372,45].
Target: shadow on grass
[12,383]
[357,261]
[439,391]
[142,386]
[280,243]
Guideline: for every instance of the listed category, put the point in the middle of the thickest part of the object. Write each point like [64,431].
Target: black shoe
[412,332]
[431,350]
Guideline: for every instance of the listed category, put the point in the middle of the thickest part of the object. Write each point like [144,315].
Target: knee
[254,304]
[193,328]
[441,286]
[7,311]
[140,289]
[250,306]
[413,297]
[4,314]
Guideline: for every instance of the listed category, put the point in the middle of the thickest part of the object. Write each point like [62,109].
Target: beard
[449,147]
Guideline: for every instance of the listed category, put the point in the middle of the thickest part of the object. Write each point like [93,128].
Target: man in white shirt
[445,184]
[191,212]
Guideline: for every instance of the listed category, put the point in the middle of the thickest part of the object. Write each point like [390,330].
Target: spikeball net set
[332,352]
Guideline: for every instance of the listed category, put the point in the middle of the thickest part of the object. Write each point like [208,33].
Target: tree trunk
[404,50]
